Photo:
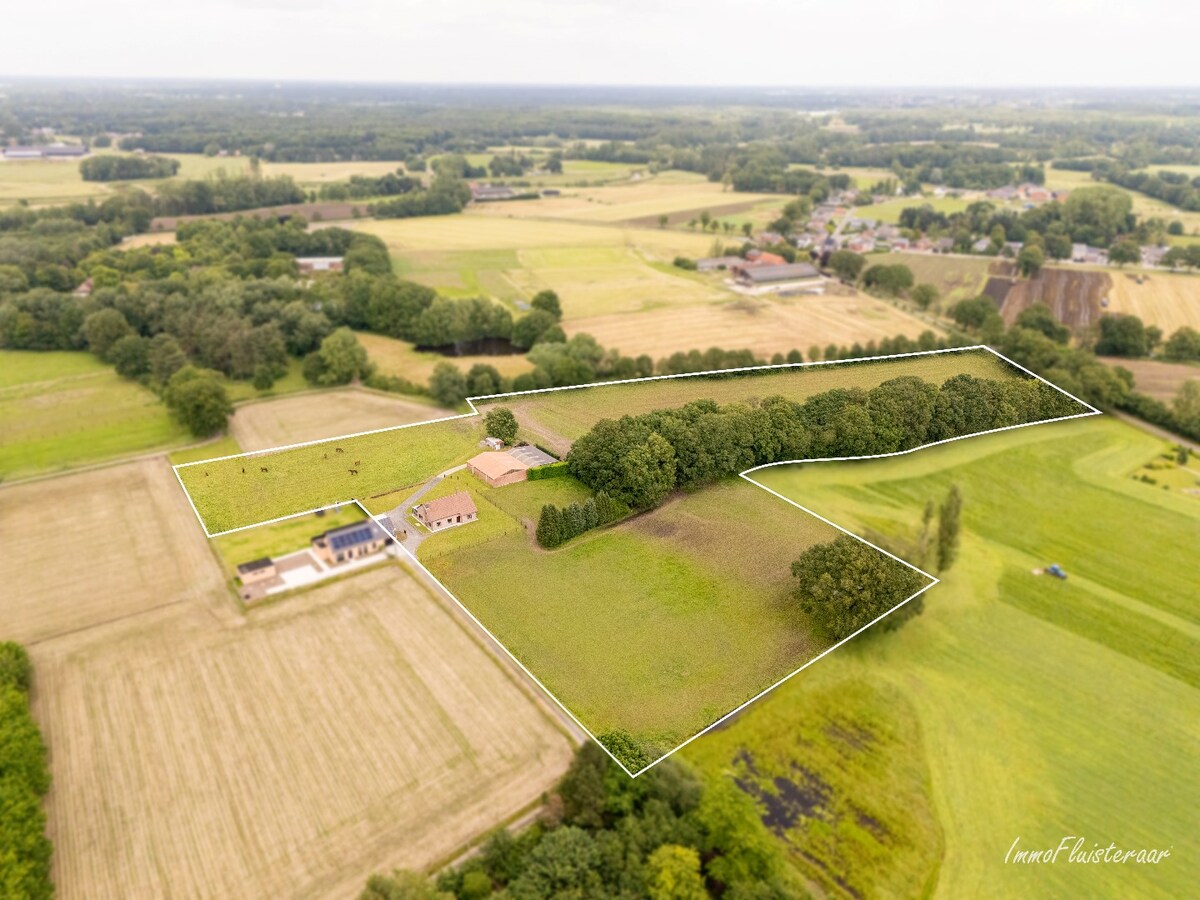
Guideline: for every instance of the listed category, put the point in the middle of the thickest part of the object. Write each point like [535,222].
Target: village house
[497,469]
[1153,256]
[1082,253]
[349,542]
[310,264]
[899,243]
[769,237]
[446,512]
[1035,193]
[1004,194]
[943,245]
[85,288]
[758,257]
[862,243]
[983,245]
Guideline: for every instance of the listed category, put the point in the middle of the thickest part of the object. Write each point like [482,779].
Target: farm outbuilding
[256,571]
[446,512]
[497,469]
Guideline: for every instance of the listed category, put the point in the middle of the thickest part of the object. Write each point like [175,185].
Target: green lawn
[282,537]
[1044,708]
[65,409]
[658,626]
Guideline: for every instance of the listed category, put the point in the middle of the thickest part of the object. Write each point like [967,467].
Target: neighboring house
[257,571]
[1153,256]
[923,245]
[349,542]
[754,276]
[446,512]
[983,245]
[943,245]
[498,469]
[84,289]
[310,264]
[1036,193]
[761,258]
[1008,192]
[900,243]
[485,192]
[863,243]
[769,237]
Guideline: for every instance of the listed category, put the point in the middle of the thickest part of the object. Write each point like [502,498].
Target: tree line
[113,167]
[24,780]
[666,835]
[640,460]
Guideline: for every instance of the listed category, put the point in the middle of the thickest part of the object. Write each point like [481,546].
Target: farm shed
[500,468]
[349,542]
[755,275]
[446,512]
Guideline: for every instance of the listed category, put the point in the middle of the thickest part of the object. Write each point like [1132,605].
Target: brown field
[353,729]
[326,414]
[328,211]
[150,239]
[1161,380]
[1073,295]
[399,358]
[97,546]
[763,325]
[1166,300]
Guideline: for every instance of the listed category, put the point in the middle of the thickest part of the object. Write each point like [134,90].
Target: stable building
[756,276]
[497,469]
[339,545]
[446,512]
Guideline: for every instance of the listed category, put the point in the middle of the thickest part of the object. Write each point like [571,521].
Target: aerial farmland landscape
[665,453]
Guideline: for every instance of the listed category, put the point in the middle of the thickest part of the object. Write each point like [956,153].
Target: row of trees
[24,780]
[639,460]
[665,835]
[111,167]
[557,526]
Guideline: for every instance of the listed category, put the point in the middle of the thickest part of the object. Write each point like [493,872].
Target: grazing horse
[262,468]
[338,450]
[352,471]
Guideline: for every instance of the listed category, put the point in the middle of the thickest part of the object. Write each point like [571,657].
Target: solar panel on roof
[350,538]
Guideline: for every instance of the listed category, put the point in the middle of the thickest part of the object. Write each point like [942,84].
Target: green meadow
[65,409]
[659,625]
[281,537]
[1042,708]
[569,414]
[230,493]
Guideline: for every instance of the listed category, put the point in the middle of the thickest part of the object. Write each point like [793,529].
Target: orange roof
[457,504]
[769,259]
[496,464]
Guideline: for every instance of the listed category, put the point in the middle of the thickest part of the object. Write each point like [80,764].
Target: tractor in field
[1054,569]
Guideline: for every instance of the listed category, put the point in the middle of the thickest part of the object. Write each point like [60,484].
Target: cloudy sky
[762,42]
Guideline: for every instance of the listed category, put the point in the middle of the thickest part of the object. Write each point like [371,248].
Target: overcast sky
[763,42]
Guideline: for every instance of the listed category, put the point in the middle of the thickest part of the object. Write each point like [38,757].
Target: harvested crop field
[315,416]
[559,417]
[96,546]
[354,729]
[1161,380]
[1073,295]
[763,325]
[1169,301]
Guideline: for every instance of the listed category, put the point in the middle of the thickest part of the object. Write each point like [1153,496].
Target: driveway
[413,533]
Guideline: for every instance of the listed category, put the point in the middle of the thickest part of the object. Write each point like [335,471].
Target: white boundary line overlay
[933,580]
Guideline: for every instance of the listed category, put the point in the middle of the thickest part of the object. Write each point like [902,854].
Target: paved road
[414,534]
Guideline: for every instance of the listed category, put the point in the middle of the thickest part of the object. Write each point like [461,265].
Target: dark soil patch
[485,347]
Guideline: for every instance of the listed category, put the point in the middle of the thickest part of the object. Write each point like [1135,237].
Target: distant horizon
[1030,44]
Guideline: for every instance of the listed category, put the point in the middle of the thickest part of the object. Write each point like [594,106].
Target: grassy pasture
[889,210]
[46,181]
[1165,299]
[235,492]
[765,325]
[614,655]
[955,277]
[319,415]
[399,358]
[1143,206]
[64,409]
[355,728]
[1045,708]
[562,416]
